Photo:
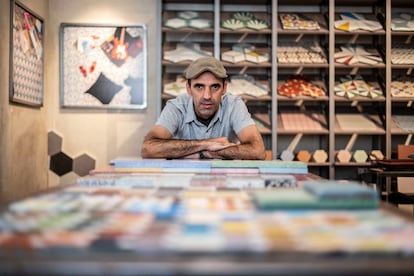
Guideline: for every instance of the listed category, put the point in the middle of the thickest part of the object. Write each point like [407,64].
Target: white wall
[101,134]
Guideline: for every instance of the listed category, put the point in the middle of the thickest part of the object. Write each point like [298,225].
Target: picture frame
[103,66]
[26,56]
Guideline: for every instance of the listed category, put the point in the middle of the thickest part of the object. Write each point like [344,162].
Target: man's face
[207,91]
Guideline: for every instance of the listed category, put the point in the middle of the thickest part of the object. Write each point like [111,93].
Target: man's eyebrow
[203,84]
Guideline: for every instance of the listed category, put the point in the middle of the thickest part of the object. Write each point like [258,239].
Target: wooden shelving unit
[216,39]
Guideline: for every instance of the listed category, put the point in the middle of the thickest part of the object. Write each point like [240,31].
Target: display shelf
[245,27]
[358,121]
[310,45]
[400,106]
[275,73]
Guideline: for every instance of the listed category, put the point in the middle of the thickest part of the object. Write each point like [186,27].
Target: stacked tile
[402,53]
[188,19]
[319,156]
[240,20]
[359,156]
[402,86]
[352,86]
[175,88]
[245,52]
[300,52]
[402,22]
[186,51]
[206,166]
[293,21]
[318,195]
[353,21]
[299,86]
[246,85]
[351,54]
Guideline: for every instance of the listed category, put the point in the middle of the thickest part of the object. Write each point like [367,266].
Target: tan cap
[205,64]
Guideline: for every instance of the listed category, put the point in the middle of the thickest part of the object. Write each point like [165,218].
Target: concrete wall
[102,134]
[23,130]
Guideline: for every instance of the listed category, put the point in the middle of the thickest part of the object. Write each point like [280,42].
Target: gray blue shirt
[179,118]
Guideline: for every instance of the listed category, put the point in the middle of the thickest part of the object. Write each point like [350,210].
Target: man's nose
[207,93]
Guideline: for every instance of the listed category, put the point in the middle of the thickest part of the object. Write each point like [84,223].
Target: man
[206,122]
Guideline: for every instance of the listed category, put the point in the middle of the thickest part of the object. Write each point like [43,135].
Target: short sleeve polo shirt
[179,118]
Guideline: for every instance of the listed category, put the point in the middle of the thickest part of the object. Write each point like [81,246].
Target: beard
[207,109]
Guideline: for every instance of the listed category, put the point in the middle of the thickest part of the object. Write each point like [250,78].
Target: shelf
[245,31]
[187,30]
[300,99]
[353,164]
[358,99]
[303,65]
[247,64]
[346,121]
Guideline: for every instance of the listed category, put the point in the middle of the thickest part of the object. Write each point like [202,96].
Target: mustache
[206,102]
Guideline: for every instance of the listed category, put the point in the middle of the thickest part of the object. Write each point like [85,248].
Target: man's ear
[188,88]
[225,87]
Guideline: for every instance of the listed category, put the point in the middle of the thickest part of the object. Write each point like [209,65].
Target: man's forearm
[170,148]
[241,151]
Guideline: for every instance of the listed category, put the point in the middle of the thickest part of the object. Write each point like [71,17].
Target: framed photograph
[103,67]
[26,56]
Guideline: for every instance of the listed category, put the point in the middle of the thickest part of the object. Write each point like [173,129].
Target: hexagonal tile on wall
[54,143]
[61,163]
[83,164]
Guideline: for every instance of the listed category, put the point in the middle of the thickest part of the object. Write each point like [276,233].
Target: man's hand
[251,146]
[219,143]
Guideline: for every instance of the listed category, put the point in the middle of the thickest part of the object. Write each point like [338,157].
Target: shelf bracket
[354,103]
[354,71]
[410,104]
[299,70]
[354,38]
[357,105]
[243,37]
[299,37]
[186,37]
[408,40]
[293,144]
[351,142]
[408,140]
[299,103]
[243,70]
[409,71]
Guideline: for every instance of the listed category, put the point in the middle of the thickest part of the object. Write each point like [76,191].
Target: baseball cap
[205,64]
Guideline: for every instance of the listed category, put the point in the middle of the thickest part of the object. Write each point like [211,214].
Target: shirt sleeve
[240,116]
[170,117]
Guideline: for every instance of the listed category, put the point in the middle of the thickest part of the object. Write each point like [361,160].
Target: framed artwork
[103,67]
[26,56]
